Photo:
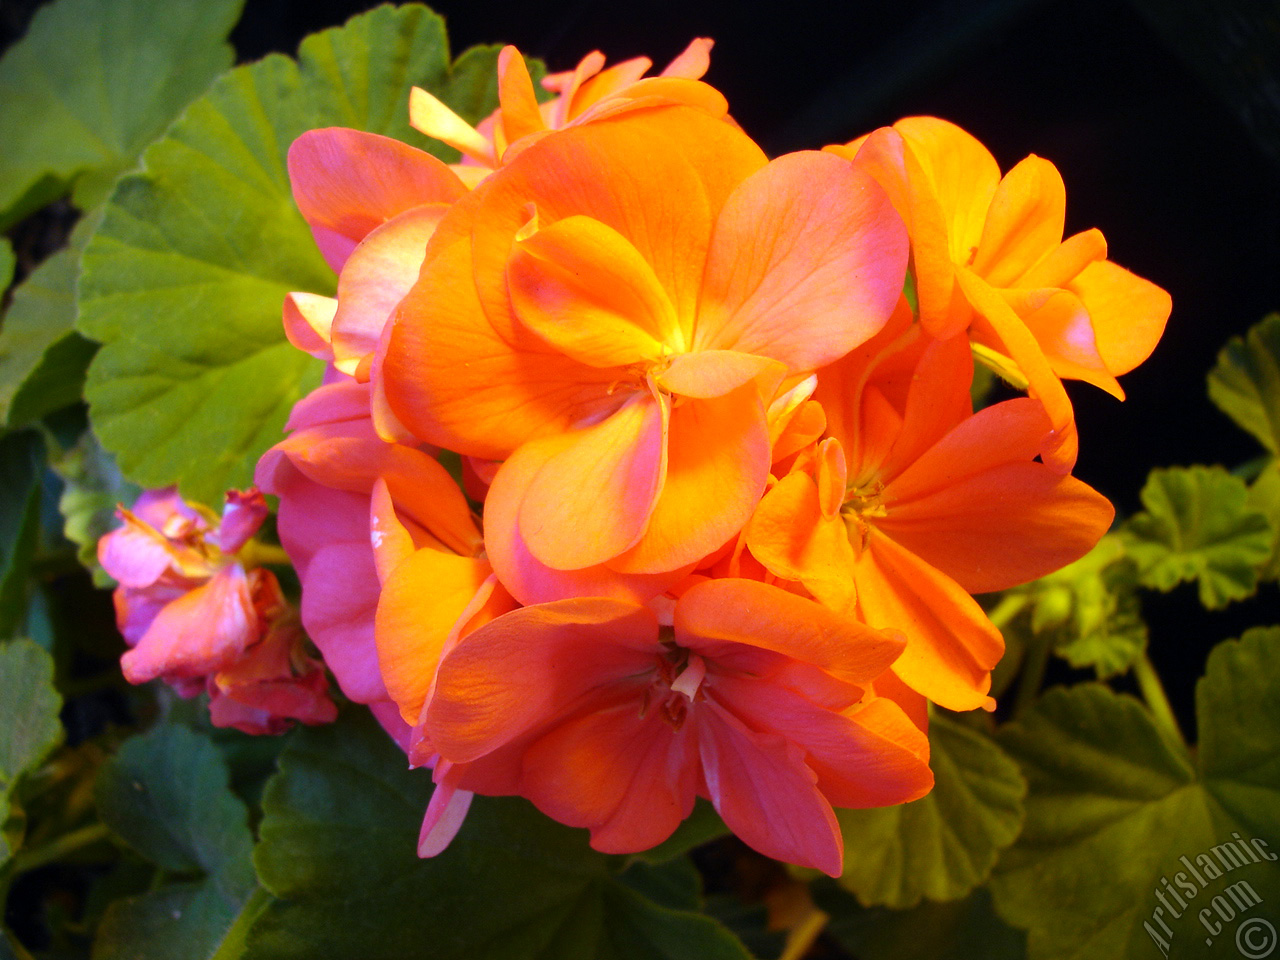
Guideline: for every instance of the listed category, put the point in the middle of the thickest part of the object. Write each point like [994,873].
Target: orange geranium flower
[912,503]
[989,257]
[610,716]
[612,314]
[586,93]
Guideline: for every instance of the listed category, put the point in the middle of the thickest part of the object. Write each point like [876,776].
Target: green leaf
[166,795]
[21,463]
[957,930]
[1198,526]
[7,263]
[1264,496]
[701,826]
[42,359]
[92,489]
[91,84]
[944,844]
[183,283]
[1118,815]
[1090,610]
[1245,383]
[29,707]
[337,849]
[181,921]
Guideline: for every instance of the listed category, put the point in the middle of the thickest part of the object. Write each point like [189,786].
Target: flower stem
[802,935]
[1153,692]
[1035,663]
[255,554]
[59,847]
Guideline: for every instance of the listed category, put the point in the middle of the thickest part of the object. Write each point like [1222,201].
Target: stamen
[691,677]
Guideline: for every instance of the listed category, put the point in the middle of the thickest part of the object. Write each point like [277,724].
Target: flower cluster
[197,613]
[720,499]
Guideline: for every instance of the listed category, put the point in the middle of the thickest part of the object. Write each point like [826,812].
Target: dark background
[1162,115]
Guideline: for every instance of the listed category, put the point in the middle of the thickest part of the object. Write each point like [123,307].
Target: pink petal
[198,633]
[375,278]
[347,182]
[760,785]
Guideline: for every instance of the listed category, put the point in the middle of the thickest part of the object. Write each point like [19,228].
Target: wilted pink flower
[195,617]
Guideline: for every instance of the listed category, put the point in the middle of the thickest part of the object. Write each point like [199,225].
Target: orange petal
[568,83]
[886,157]
[1001,527]
[454,382]
[431,117]
[806,262]
[789,534]
[530,580]
[717,463]
[347,182]
[623,773]
[509,677]
[1024,223]
[659,92]
[1128,313]
[520,114]
[376,277]
[1063,328]
[951,645]
[792,429]
[1065,261]
[349,456]
[391,541]
[1008,432]
[763,616]
[961,174]
[585,290]
[705,374]
[632,177]
[937,400]
[592,499]
[870,756]
[692,62]
[1061,449]
[419,605]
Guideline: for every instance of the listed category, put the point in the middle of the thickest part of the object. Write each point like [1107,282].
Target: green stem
[1153,692]
[19,951]
[233,944]
[802,935]
[59,847]
[255,554]
[1010,605]
[1034,664]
